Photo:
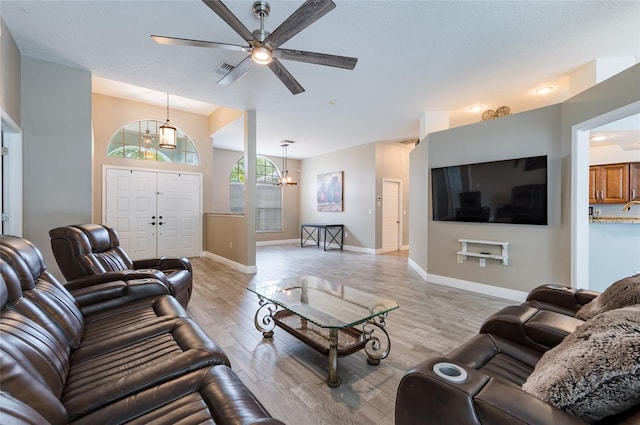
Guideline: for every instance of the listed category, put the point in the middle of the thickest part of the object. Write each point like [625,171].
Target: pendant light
[147,137]
[285,178]
[168,132]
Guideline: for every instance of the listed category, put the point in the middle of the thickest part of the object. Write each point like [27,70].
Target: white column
[250,141]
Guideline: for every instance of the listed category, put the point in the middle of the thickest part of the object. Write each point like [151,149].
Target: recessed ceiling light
[597,138]
[544,90]
[476,108]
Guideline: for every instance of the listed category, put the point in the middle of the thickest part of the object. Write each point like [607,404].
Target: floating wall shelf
[504,256]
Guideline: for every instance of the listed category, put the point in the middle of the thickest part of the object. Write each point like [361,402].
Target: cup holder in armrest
[450,372]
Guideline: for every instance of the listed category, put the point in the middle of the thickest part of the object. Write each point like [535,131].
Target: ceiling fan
[264,47]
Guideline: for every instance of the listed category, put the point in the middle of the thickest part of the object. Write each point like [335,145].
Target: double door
[155,213]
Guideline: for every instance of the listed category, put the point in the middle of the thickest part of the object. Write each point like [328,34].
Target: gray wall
[359,212]
[56,125]
[539,254]
[223,162]
[419,205]
[10,72]
[530,246]
[392,162]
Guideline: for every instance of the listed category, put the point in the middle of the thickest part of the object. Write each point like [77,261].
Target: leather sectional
[109,351]
[481,381]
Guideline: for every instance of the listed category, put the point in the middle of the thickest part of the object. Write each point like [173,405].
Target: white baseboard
[278,242]
[418,269]
[359,249]
[230,263]
[480,288]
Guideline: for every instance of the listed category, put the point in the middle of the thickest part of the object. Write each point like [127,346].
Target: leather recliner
[142,360]
[89,249]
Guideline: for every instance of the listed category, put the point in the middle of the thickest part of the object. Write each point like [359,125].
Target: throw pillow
[595,371]
[623,293]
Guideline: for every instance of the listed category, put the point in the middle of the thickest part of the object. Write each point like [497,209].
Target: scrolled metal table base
[264,321]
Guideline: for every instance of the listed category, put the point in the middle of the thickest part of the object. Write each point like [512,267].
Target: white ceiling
[414,56]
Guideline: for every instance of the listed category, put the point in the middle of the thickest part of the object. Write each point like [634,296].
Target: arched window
[268,195]
[139,140]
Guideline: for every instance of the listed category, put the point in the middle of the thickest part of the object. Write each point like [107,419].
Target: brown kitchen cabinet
[609,184]
[634,181]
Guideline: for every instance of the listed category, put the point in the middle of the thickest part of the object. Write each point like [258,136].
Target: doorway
[155,213]
[391,215]
[580,245]
[10,177]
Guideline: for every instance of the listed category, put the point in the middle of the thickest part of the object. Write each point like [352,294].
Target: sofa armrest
[540,330]
[99,295]
[426,398]
[163,263]
[568,300]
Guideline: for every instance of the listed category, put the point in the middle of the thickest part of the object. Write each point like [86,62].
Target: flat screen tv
[507,191]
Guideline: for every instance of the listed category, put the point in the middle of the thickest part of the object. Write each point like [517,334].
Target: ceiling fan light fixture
[261,55]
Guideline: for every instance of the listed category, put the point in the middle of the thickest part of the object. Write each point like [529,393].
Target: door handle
[160,224]
[153,223]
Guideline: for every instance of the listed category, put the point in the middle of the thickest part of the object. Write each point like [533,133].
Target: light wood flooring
[288,377]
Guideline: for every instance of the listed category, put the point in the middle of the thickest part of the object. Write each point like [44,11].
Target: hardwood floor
[288,377]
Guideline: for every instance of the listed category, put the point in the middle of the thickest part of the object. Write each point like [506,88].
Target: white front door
[131,210]
[390,215]
[179,224]
[155,213]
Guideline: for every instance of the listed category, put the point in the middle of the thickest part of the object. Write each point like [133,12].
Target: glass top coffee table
[334,319]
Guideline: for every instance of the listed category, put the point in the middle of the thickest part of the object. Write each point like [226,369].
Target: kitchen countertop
[623,220]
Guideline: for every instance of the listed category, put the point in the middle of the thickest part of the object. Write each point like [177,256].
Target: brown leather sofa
[480,381]
[558,298]
[89,249]
[122,351]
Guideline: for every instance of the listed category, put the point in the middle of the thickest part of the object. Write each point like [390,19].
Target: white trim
[230,263]
[480,288]
[12,136]
[422,272]
[579,186]
[361,249]
[344,247]
[278,242]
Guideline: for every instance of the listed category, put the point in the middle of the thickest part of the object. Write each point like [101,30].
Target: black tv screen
[508,191]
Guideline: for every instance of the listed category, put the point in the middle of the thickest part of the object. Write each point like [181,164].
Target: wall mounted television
[506,191]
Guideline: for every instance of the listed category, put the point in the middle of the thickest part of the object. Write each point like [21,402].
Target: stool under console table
[333,234]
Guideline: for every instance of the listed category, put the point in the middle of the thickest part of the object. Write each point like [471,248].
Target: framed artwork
[330,189]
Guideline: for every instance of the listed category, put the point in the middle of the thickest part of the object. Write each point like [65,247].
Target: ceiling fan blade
[236,73]
[175,41]
[307,14]
[281,72]
[223,12]
[316,58]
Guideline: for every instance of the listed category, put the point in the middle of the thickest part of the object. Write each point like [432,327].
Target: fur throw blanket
[595,371]
[623,293]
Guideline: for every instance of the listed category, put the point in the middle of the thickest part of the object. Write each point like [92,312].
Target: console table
[333,233]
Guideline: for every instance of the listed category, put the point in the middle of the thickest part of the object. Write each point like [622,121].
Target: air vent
[410,141]
[224,68]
